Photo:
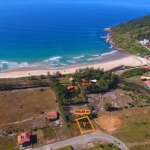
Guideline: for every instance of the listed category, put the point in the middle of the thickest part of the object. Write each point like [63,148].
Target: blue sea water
[58,33]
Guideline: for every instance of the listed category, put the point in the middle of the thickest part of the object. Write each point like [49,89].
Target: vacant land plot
[24,108]
[109,123]
[64,80]
[143,147]
[8,143]
[65,148]
[135,125]
[135,79]
[30,81]
[118,98]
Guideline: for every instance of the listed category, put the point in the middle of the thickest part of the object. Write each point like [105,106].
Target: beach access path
[85,139]
[129,60]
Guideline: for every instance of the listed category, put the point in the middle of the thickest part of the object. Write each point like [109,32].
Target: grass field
[8,143]
[135,125]
[64,80]
[19,105]
[135,79]
[25,81]
[143,147]
[65,148]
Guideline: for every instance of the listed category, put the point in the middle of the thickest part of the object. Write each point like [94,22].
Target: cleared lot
[23,109]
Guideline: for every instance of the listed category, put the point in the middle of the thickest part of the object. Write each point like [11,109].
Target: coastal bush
[134,72]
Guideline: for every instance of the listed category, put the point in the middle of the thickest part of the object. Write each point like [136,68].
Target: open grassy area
[127,35]
[19,105]
[65,148]
[64,80]
[8,143]
[24,82]
[143,147]
[135,125]
[135,79]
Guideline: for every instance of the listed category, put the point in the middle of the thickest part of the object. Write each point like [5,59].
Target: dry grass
[135,125]
[109,122]
[19,105]
[8,143]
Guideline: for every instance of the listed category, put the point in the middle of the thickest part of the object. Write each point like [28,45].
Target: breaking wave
[78,57]
[100,56]
[12,65]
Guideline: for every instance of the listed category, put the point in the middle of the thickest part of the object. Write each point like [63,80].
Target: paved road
[85,138]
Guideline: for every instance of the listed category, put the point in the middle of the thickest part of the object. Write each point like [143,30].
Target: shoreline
[108,62]
[127,60]
[109,39]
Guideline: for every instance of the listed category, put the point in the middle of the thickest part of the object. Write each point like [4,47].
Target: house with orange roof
[71,87]
[24,139]
[83,80]
[85,83]
[53,115]
[144,78]
[147,82]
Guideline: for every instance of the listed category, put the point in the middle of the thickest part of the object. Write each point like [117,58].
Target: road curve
[85,138]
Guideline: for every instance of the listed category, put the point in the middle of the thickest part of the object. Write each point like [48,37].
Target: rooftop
[51,115]
[23,138]
[147,82]
[71,87]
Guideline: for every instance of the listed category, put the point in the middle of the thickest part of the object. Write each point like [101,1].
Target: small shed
[24,138]
[52,115]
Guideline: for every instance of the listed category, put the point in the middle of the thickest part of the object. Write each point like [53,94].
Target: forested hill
[127,35]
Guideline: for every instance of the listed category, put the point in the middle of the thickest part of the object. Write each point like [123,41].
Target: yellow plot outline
[87,131]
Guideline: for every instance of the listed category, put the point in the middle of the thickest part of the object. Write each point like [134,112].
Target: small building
[144,78]
[71,87]
[86,83]
[147,82]
[51,115]
[94,81]
[24,139]
[144,41]
[83,80]
[71,79]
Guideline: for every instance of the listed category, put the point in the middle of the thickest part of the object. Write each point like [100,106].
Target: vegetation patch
[135,127]
[24,107]
[65,148]
[134,72]
[127,35]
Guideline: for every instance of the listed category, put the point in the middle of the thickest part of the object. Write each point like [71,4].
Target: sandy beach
[128,60]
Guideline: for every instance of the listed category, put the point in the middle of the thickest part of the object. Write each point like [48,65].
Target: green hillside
[127,35]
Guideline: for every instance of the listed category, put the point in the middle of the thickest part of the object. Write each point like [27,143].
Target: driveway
[85,138]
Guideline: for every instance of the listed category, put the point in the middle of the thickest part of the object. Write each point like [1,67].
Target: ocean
[60,33]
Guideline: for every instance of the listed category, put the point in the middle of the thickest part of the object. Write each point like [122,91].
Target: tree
[108,106]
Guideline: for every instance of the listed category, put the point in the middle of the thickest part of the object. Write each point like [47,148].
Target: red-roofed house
[71,87]
[148,67]
[51,115]
[24,138]
[86,83]
[147,83]
[147,44]
[143,78]
[83,80]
